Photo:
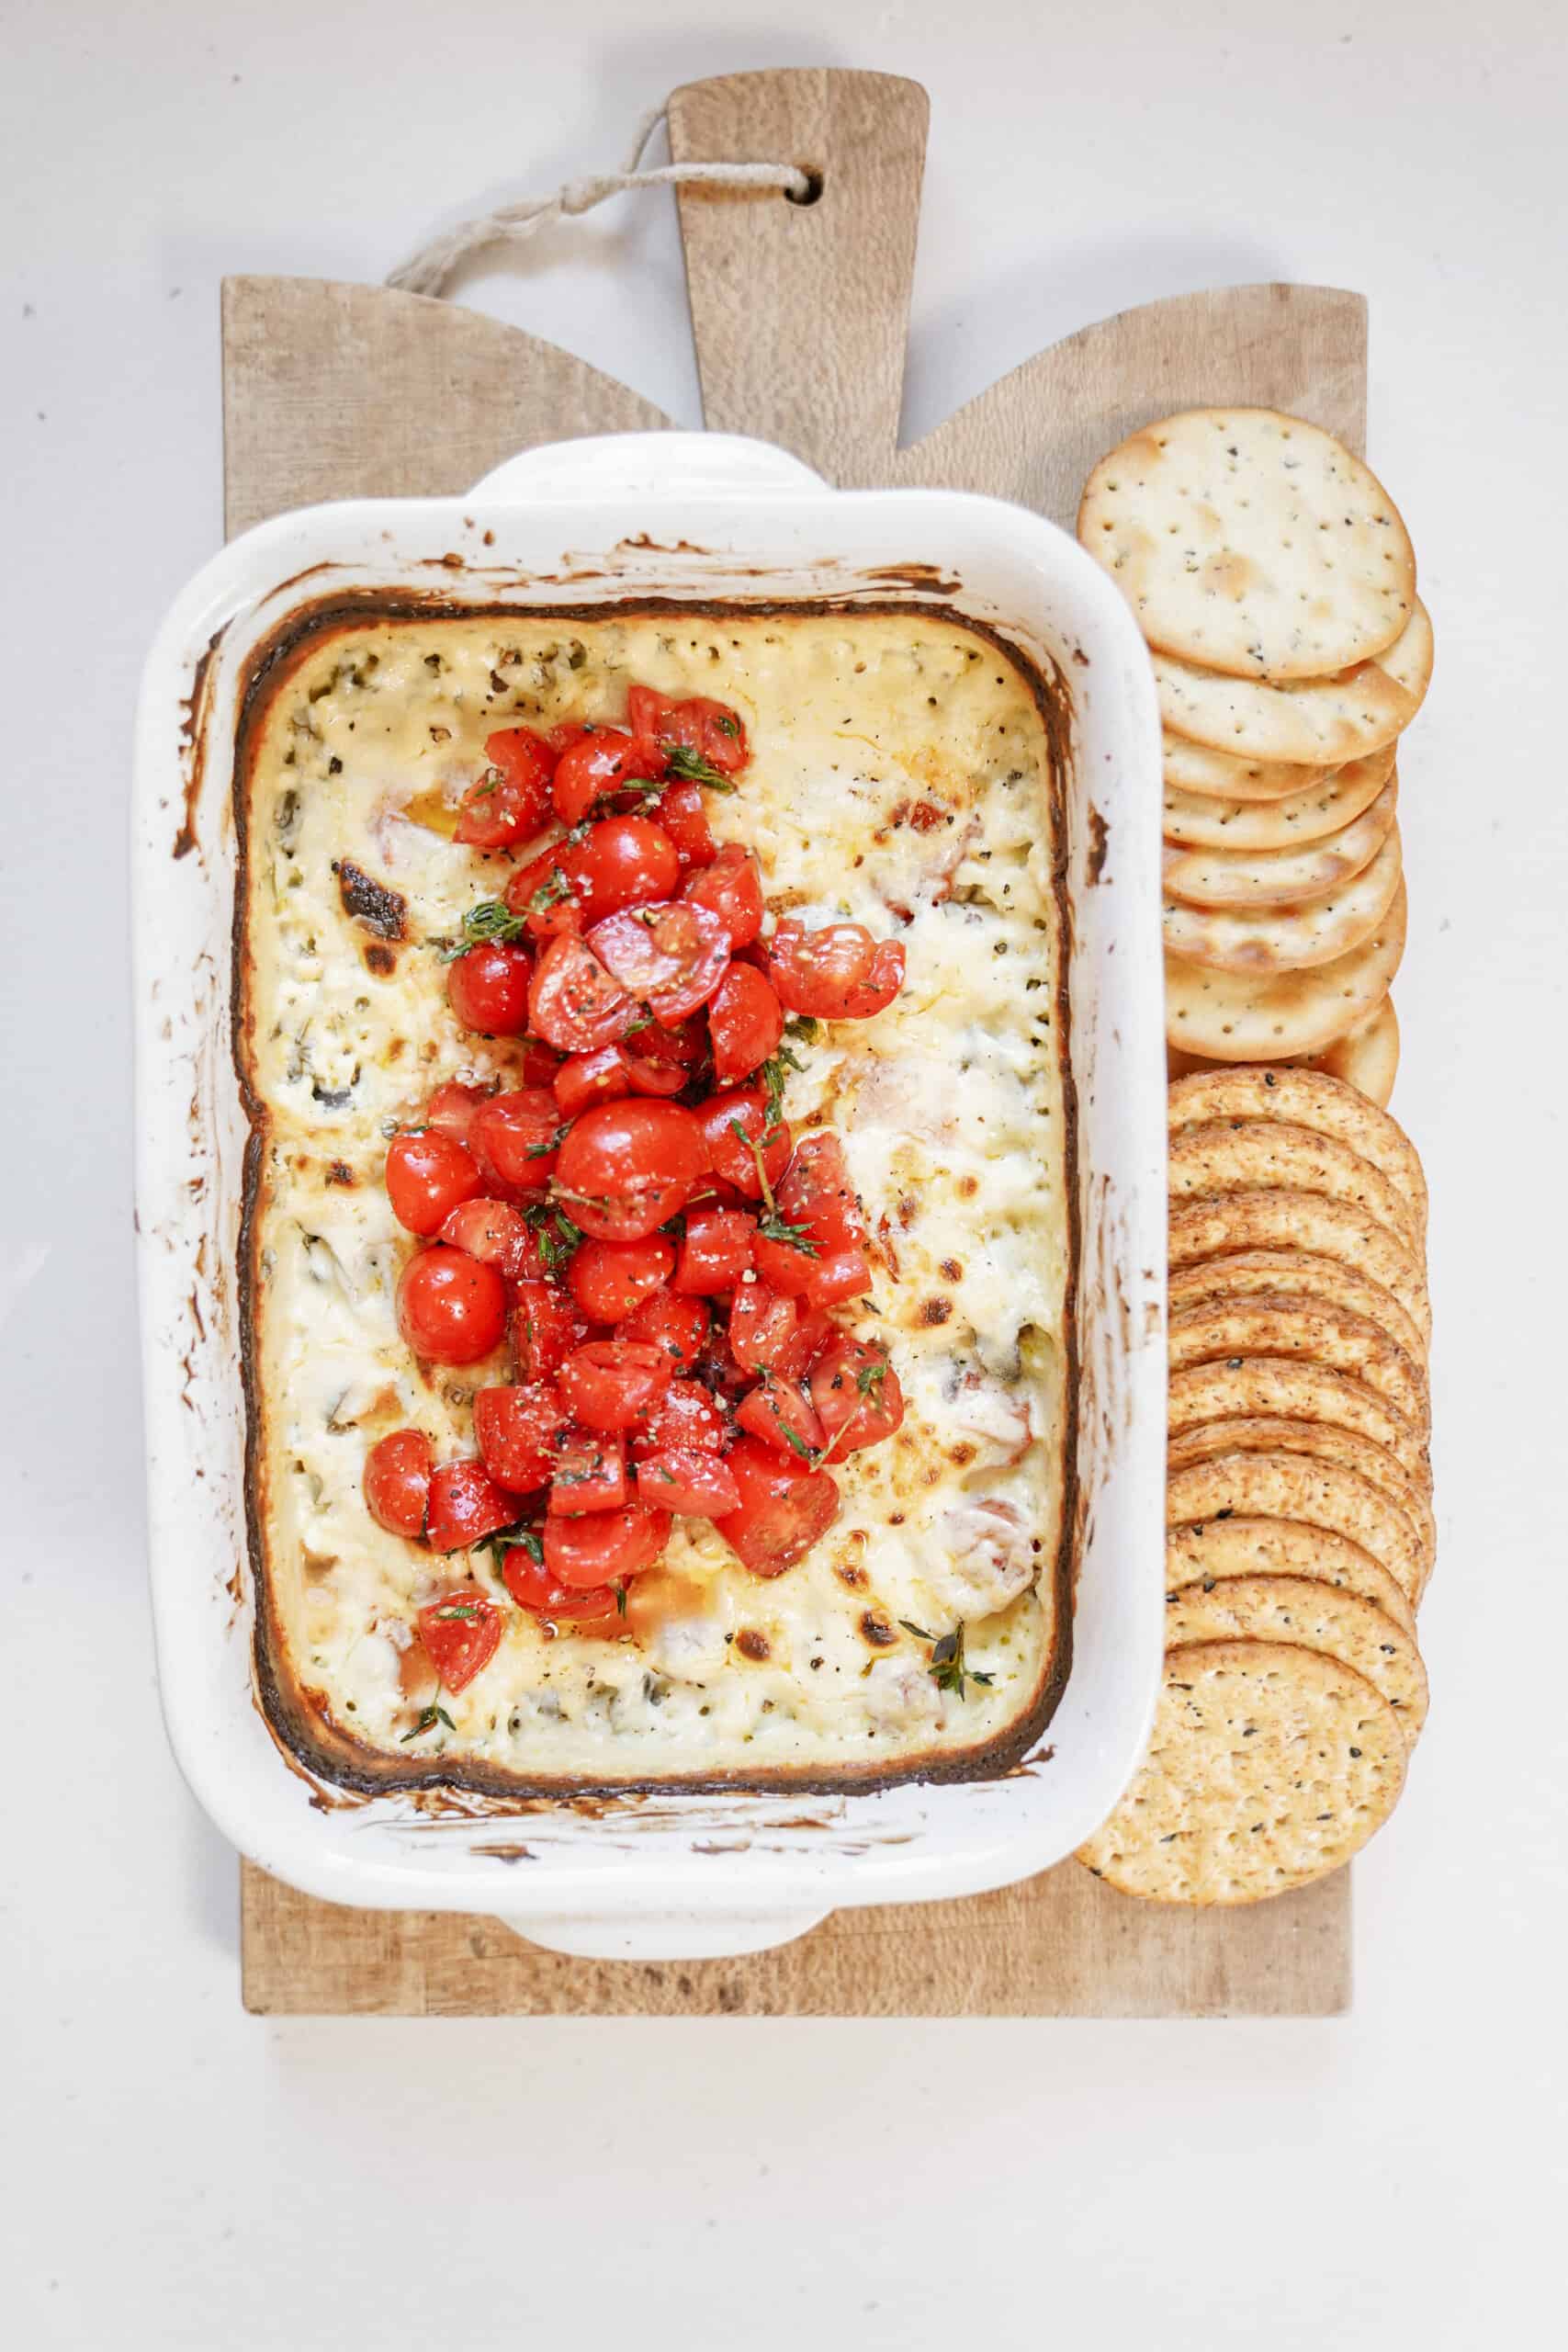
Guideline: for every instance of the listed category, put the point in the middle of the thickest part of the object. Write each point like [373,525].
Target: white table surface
[173,2171]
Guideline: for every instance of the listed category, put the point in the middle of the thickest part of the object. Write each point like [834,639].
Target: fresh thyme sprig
[946,1666]
[490,919]
[692,768]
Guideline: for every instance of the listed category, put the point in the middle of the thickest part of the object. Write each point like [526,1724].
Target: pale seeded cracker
[1243,1154]
[1321,721]
[1250,1017]
[1299,1276]
[1268,1765]
[1248,1387]
[1230,776]
[1230,876]
[1219,1549]
[1251,542]
[1308,1099]
[1302,1330]
[1276,1434]
[1295,1609]
[1326,805]
[1303,1488]
[1365,1057]
[1266,940]
[1222,1223]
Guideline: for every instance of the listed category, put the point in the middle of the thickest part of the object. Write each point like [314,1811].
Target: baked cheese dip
[659,1254]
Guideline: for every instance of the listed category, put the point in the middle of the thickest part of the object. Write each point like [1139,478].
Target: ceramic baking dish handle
[661,1935]
[648,465]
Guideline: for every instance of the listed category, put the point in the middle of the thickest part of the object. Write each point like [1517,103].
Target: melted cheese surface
[898,777]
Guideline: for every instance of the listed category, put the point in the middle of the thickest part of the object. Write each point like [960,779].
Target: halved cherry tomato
[838,973]
[784,1267]
[607,1546]
[466,1505]
[451,1108]
[540,1062]
[573,1003]
[760,1323]
[816,1194]
[672,956]
[597,764]
[427,1175]
[510,800]
[608,1279]
[624,862]
[781,1414]
[397,1482]
[681,1047]
[685,1416]
[515,1137]
[451,1307]
[570,731]
[711,729]
[599,1609]
[684,1478]
[857,1397]
[517,1430]
[678,1326]
[812,1331]
[545,1327]
[494,1231]
[746,1108]
[615,1384]
[584,1078]
[627,1167]
[461,1631]
[745,1022]
[845,1274]
[486,988]
[732,887]
[715,1251]
[661,1079]
[648,715]
[590,1472]
[685,819]
[783,1509]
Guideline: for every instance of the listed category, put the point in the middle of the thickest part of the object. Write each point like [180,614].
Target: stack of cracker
[1299,1496]
[1275,584]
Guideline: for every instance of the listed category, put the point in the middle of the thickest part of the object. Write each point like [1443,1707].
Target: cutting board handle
[800,309]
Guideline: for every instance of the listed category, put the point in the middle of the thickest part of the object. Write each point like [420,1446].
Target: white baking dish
[705,517]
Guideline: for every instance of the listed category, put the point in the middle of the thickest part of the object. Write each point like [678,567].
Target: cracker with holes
[1268,941]
[1365,1057]
[1323,722]
[1229,875]
[1268,1765]
[1252,543]
[1313,1099]
[1296,1609]
[1324,802]
[1221,1224]
[1232,775]
[1303,1488]
[1219,1549]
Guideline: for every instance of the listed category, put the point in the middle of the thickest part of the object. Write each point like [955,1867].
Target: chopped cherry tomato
[397,1482]
[427,1175]
[760,1323]
[451,1307]
[784,1267]
[812,1333]
[450,1110]
[573,1003]
[609,1546]
[846,1275]
[711,729]
[608,1279]
[615,1384]
[486,988]
[732,888]
[540,1062]
[590,1472]
[745,1022]
[682,1047]
[494,1231]
[672,956]
[624,862]
[685,1416]
[597,764]
[598,1609]
[648,715]
[684,1478]
[857,1397]
[745,1107]
[717,1369]
[461,1632]
[648,1076]
[515,1137]
[783,1509]
[545,1328]
[571,730]
[679,1325]
[816,1194]
[517,1430]
[543,894]
[584,1078]
[716,1252]
[836,974]
[511,799]
[683,817]
[781,1414]
[466,1505]
[627,1167]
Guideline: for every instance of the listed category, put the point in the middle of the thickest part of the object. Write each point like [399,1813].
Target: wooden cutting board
[799,314]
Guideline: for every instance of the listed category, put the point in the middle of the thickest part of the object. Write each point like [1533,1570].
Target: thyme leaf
[946,1666]
[490,919]
[692,768]
[432,1716]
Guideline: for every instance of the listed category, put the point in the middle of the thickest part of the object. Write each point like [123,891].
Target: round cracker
[1222,1223]
[1248,1387]
[1230,776]
[1310,1099]
[1325,805]
[1221,1548]
[1250,1017]
[1241,1154]
[1252,542]
[1292,1276]
[1320,721]
[1303,1488]
[1228,876]
[1271,940]
[1295,1609]
[1275,1434]
[1365,1057]
[1300,1331]
[1268,1765]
